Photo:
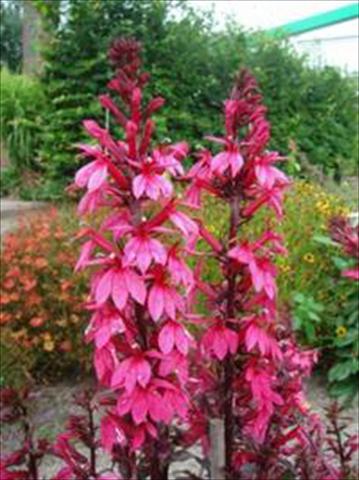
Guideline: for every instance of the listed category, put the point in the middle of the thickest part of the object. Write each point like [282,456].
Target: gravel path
[53,404]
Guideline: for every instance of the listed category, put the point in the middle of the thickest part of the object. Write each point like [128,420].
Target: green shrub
[191,64]
[22,105]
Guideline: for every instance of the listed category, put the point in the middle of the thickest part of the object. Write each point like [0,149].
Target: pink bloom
[174,362]
[202,167]
[103,326]
[151,182]
[140,432]
[262,270]
[84,258]
[231,158]
[263,275]
[142,249]
[257,336]
[266,174]
[111,433]
[105,363]
[172,335]
[91,201]
[220,341]
[163,299]
[144,402]
[265,401]
[352,273]
[185,224]
[179,270]
[93,175]
[168,157]
[130,372]
[273,197]
[119,283]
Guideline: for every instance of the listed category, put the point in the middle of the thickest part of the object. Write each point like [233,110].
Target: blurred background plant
[42,320]
[22,101]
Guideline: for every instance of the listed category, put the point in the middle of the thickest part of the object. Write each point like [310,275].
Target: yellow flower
[309,258]
[49,345]
[341,331]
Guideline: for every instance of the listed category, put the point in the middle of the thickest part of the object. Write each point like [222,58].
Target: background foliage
[22,102]
[191,64]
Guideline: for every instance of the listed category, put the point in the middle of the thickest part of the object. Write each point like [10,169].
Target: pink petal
[104,287]
[140,408]
[119,290]
[83,175]
[144,256]
[236,162]
[138,186]
[220,162]
[182,340]
[220,345]
[156,302]
[166,338]
[144,373]
[136,286]
[97,178]
[158,251]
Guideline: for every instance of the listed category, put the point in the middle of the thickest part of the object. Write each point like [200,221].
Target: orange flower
[9,284]
[41,263]
[29,285]
[4,318]
[37,322]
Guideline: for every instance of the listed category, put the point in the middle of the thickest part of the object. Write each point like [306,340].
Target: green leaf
[340,371]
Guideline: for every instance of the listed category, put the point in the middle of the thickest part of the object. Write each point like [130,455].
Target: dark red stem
[228,366]
[93,444]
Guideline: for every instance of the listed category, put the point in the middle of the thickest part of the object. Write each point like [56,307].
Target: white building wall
[336,45]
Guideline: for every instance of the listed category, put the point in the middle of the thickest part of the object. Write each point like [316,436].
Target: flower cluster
[140,278]
[254,371]
[40,297]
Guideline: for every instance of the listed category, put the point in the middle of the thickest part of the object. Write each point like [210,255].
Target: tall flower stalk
[252,370]
[140,278]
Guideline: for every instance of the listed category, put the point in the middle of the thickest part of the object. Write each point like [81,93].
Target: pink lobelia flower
[162,297]
[104,324]
[151,181]
[220,341]
[261,269]
[265,399]
[105,360]
[263,274]
[352,273]
[230,158]
[142,249]
[258,336]
[174,362]
[172,335]
[112,433]
[93,175]
[118,283]
[143,403]
[266,174]
[130,372]
[179,270]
